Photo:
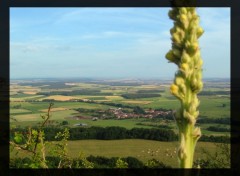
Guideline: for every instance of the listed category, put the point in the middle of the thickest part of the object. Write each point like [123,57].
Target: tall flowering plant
[185,53]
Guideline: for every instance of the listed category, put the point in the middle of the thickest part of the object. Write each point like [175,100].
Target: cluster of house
[151,113]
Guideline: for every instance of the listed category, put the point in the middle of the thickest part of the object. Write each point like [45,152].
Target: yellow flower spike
[197,133]
[200,86]
[170,56]
[179,80]
[174,89]
[200,31]
[187,44]
[189,15]
[196,114]
[185,57]
[200,63]
[172,31]
[199,76]
[184,20]
[182,89]
[192,108]
[187,83]
[185,67]
[177,52]
[181,34]
[176,38]
[183,10]
[192,49]
[196,102]
[171,14]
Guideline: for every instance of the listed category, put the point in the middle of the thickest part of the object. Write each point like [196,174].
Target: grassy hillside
[141,149]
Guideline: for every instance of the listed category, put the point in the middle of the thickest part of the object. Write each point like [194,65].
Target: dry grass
[114,97]
[30,93]
[60,97]
[54,109]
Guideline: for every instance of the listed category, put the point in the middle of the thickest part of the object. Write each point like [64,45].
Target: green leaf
[18,138]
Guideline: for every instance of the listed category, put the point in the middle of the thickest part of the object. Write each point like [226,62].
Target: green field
[19,111]
[127,123]
[141,149]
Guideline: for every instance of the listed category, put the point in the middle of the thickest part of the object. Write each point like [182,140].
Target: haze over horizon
[109,43]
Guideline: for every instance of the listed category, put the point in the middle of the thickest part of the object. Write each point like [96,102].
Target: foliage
[153,163]
[102,162]
[225,120]
[139,95]
[33,144]
[133,162]
[60,149]
[65,122]
[121,164]
[138,110]
[220,159]
[115,132]
[216,139]
[207,93]
[218,129]
[93,162]
[18,106]
[82,162]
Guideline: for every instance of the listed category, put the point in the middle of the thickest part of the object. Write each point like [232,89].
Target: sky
[109,42]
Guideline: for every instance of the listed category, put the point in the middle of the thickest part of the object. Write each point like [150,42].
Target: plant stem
[186,155]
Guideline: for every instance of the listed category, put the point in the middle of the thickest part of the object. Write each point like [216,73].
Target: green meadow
[141,149]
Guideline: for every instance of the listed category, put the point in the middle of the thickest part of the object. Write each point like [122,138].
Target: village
[149,114]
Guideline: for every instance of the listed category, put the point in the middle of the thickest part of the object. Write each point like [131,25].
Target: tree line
[113,133]
[140,95]
[206,93]
[218,129]
[225,120]
[98,162]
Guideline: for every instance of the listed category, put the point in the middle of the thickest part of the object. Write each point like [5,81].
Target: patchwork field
[28,103]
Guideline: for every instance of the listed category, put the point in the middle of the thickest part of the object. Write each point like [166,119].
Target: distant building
[80,124]
[94,119]
[70,84]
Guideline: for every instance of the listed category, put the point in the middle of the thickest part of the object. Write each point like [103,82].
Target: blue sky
[109,42]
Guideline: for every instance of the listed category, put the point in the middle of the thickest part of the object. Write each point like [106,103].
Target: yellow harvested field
[114,97]
[149,86]
[138,102]
[54,109]
[60,97]
[30,93]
